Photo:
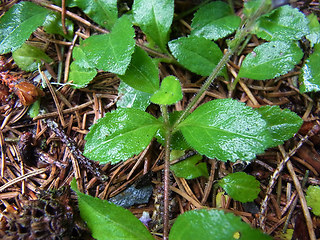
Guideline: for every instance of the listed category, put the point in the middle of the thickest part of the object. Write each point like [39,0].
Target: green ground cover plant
[222,129]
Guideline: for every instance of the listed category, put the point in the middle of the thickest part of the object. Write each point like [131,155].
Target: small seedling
[224,129]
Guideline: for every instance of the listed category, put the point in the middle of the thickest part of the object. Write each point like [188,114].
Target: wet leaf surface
[212,224]
[110,52]
[80,76]
[169,93]
[197,54]
[270,60]
[18,23]
[284,23]
[212,24]
[120,134]
[154,17]
[132,98]
[190,168]
[310,72]
[142,74]
[282,124]
[314,26]
[227,130]
[241,186]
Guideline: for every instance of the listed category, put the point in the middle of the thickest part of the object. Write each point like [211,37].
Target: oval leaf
[142,74]
[227,130]
[120,134]
[284,23]
[313,200]
[310,72]
[110,52]
[190,168]
[270,60]
[154,17]
[197,54]
[212,24]
[282,124]
[214,225]
[132,98]
[80,76]
[169,93]
[28,57]
[109,221]
[18,23]
[241,186]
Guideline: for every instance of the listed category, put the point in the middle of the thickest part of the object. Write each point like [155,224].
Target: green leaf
[34,109]
[214,20]
[251,6]
[177,140]
[103,12]
[80,76]
[28,57]
[109,221]
[80,58]
[109,52]
[132,98]
[282,124]
[313,200]
[314,26]
[53,25]
[190,168]
[310,72]
[120,134]
[284,23]
[212,224]
[227,130]
[142,74]
[241,186]
[18,23]
[197,54]
[154,17]
[169,93]
[270,60]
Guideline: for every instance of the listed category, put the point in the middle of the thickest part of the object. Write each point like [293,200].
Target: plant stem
[166,179]
[241,34]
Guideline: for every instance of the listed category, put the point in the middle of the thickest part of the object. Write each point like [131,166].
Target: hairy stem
[168,133]
[241,34]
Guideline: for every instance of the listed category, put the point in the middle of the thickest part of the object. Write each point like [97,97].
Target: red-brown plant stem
[166,177]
